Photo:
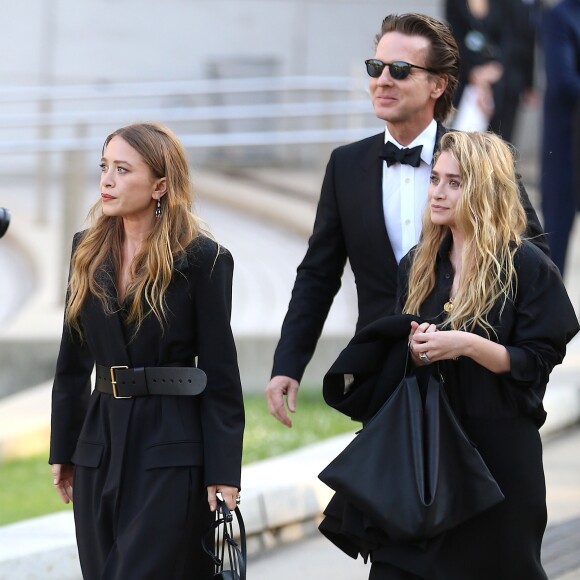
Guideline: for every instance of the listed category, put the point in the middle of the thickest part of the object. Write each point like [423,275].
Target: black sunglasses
[399,69]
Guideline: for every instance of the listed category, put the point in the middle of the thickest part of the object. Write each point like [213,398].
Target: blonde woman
[148,301]
[496,321]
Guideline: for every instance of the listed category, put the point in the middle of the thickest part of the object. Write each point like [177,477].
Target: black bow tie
[392,154]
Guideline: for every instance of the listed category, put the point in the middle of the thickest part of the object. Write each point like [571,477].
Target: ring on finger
[424,358]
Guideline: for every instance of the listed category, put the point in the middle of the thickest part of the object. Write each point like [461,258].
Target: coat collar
[111,324]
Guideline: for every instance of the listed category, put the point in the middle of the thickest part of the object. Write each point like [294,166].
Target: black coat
[349,224]
[377,358]
[142,464]
[501,413]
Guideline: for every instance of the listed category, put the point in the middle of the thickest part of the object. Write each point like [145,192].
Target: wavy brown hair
[151,270]
[490,217]
[443,55]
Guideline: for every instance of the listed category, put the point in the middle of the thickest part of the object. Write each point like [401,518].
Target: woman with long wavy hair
[496,320]
[148,308]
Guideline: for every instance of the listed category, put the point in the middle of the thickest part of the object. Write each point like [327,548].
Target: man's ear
[440,86]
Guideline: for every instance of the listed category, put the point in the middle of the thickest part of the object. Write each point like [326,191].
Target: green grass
[26,488]
[313,421]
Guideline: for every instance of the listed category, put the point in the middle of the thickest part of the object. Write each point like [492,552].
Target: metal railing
[172,88]
[198,113]
[272,116]
[273,113]
[51,113]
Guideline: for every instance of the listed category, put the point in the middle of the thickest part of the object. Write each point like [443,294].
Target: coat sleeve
[318,280]
[545,322]
[70,393]
[222,407]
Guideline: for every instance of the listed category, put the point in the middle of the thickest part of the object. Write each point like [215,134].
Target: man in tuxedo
[373,194]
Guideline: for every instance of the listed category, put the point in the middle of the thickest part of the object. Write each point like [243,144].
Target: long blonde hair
[151,269]
[490,217]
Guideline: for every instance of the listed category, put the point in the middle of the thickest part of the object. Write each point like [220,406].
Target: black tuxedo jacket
[350,225]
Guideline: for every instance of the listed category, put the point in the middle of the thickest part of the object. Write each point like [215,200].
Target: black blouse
[534,327]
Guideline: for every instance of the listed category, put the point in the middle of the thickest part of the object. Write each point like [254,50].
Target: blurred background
[258,91]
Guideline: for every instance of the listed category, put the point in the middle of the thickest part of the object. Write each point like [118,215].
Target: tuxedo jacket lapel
[372,172]
[441,130]
[375,219]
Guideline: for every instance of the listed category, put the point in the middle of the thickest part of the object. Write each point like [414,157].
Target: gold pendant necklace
[448,306]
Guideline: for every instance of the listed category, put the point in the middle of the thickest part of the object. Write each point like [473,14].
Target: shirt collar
[426,138]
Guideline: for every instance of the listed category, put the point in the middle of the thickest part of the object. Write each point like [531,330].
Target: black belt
[124,383]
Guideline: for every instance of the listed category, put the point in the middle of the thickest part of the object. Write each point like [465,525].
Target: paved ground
[315,558]
[561,550]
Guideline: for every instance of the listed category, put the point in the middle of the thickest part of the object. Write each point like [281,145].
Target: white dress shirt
[405,193]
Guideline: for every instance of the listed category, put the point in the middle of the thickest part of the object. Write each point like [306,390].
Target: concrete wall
[66,41]
[109,41]
[26,362]
[29,361]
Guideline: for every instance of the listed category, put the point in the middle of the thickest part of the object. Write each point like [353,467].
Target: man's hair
[443,55]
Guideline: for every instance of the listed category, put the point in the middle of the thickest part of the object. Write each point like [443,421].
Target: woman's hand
[230,495]
[62,477]
[416,348]
[436,344]
[450,344]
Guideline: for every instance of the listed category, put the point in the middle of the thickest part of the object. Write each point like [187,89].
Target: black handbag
[228,556]
[412,471]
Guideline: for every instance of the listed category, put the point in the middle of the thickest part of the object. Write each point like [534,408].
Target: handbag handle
[236,552]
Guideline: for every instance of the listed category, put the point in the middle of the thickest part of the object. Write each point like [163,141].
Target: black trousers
[384,571]
[150,528]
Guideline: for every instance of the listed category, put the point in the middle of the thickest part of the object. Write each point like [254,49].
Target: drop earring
[158,209]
